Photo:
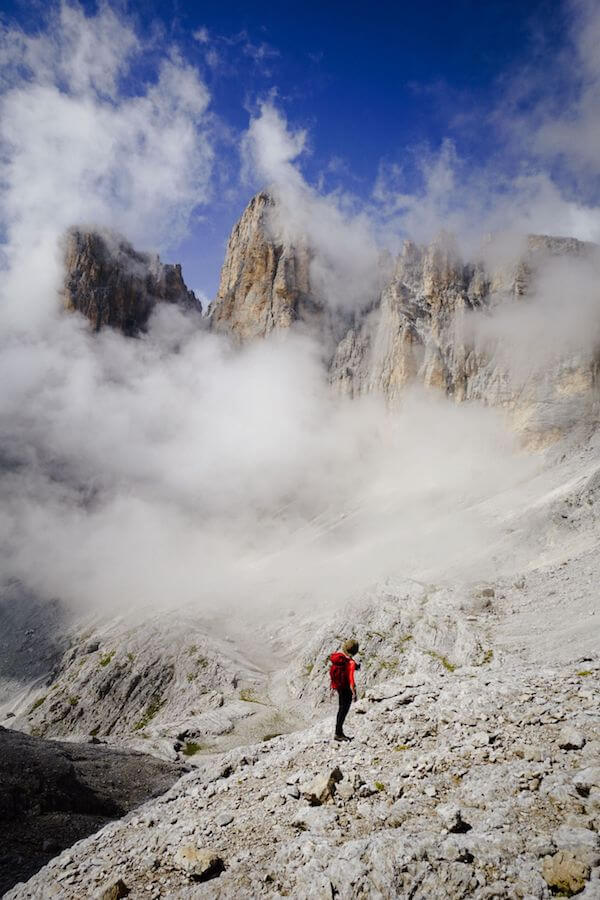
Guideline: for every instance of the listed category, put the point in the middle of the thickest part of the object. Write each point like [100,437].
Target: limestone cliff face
[264,281]
[113,284]
[422,329]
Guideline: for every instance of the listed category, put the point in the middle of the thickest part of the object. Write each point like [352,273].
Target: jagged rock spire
[113,284]
[264,280]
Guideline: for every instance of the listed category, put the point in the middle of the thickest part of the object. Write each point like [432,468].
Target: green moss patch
[449,666]
[151,711]
[248,695]
[191,748]
[37,703]
[106,659]
[389,664]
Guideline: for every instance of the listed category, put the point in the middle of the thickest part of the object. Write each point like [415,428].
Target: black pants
[345,698]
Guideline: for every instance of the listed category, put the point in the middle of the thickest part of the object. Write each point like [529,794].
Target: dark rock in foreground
[53,794]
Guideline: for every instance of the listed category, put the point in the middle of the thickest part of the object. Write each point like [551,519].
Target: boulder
[565,873]
[452,818]
[586,780]
[199,863]
[113,891]
[570,739]
[323,787]
[574,838]
[225,818]
[318,820]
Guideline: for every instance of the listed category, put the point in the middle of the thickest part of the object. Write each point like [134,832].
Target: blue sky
[372,84]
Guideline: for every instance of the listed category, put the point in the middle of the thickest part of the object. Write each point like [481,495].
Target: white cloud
[201,35]
[80,144]
[344,253]
[541,174]
[173,469]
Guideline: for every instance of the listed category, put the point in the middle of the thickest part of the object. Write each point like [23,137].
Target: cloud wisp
[345,254]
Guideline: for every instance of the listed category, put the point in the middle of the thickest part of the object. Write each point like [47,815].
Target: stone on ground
[199,863]
[565,873]
[323,787]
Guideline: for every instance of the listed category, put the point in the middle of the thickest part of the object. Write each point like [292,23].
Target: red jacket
[342,671]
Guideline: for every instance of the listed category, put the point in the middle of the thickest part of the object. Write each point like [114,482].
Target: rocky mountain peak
[111,283]
[264,282]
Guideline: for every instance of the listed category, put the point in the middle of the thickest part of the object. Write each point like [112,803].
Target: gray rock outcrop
[112,284]
[427,329]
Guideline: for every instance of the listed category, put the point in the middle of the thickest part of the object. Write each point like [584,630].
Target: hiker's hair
[350,647]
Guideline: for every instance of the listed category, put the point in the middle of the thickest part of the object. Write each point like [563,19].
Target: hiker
[341,674]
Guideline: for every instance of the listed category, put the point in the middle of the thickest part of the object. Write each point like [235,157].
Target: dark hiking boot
[342,737]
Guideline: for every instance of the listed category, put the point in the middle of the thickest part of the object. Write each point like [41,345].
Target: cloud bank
[173,470]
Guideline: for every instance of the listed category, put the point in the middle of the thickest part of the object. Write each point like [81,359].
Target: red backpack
[339,671]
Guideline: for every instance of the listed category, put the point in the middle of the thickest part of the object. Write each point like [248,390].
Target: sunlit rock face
[114,285]
[264,283]
[429,325]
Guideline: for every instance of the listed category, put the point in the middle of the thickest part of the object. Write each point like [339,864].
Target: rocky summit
[265,283]
[112,284]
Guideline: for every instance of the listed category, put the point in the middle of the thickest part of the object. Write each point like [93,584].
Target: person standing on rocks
[341,674]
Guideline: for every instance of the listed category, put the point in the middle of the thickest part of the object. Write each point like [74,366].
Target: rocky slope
[473,783]
[190,684]
[54,794]
[172,686]
[114,285]
[474,769]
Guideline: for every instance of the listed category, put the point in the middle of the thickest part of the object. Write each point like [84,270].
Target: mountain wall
[112,284]
[422,328]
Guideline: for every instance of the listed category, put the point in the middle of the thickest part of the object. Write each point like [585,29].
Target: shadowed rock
[53,794]
[112,284]
[32,636]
